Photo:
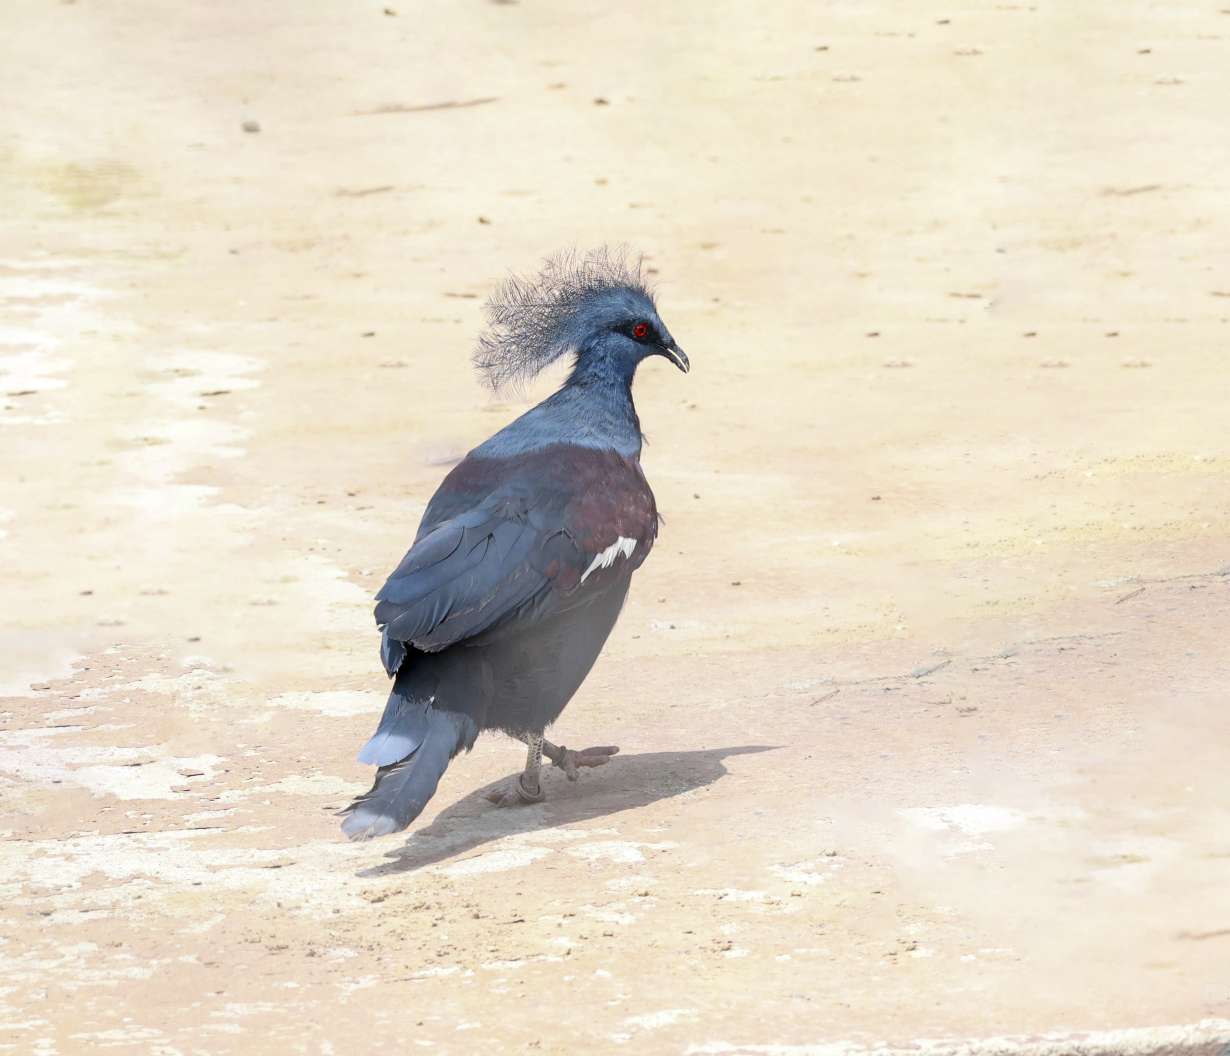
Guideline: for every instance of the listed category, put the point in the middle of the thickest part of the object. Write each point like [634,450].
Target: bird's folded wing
[472,572]
[523,551]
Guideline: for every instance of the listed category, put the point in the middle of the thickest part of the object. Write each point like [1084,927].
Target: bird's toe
[515,793]
[571,761]
[599,756]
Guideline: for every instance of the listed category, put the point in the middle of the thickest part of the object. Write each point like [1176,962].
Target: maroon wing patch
[612,520]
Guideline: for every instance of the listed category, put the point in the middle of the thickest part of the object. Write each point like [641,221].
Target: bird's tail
[412,746]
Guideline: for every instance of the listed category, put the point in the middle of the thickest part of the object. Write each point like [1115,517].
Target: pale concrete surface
[922,695]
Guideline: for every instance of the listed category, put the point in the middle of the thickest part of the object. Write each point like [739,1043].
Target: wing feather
[543,539]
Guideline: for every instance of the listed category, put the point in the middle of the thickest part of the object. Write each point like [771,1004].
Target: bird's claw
[515,793]
[571,761]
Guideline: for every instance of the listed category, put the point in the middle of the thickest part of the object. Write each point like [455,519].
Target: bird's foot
[571,761]
[516,792]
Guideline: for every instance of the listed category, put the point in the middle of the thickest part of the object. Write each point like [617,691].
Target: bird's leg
[569,760]
[527,787]
[530,784]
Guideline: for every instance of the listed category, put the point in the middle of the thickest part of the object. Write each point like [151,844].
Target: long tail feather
[403,788]
[403,725]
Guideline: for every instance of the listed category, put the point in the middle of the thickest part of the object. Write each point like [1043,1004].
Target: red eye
[640,331]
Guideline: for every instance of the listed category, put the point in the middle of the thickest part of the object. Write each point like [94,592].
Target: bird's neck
[590,411]
[599,366]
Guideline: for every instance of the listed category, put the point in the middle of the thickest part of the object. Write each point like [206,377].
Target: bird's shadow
[628,781]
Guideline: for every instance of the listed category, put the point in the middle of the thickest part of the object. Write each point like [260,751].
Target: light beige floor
[923,694]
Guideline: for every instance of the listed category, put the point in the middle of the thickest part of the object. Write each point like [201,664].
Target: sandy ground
[923,694]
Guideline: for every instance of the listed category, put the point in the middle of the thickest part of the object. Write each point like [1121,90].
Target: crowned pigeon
[524,555]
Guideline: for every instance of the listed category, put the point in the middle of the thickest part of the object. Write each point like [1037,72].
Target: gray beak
[677,356]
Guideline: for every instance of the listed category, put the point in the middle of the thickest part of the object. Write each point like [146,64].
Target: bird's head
[595,307]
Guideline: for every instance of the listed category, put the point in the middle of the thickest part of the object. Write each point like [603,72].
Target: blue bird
[524,554]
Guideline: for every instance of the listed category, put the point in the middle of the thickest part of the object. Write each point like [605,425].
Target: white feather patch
[622,545]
